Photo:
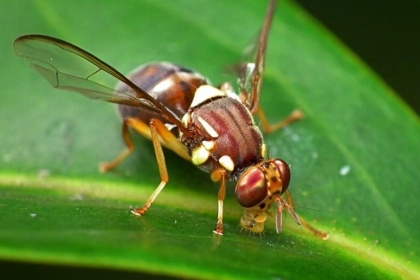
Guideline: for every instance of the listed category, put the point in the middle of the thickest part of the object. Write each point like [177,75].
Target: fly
[175,107]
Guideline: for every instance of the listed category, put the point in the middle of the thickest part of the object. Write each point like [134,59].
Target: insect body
[175,107]
[170,84]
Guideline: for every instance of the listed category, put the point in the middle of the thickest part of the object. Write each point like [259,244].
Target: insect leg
[307,225]
[169,141]
[129,122]
[157,128]
[220,175]
[267,127]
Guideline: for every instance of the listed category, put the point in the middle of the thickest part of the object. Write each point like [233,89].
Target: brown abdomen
[170,84]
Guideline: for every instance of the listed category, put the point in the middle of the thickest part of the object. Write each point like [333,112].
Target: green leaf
[354,157]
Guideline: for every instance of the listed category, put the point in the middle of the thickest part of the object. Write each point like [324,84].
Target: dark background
[383,33]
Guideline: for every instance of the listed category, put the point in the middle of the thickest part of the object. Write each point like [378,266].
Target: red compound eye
[284,172]
[251,188]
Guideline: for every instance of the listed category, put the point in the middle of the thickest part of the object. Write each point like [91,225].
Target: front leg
[317,232]
[220,174]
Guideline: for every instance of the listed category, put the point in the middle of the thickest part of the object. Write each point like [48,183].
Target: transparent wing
[68,67]
[251,73]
